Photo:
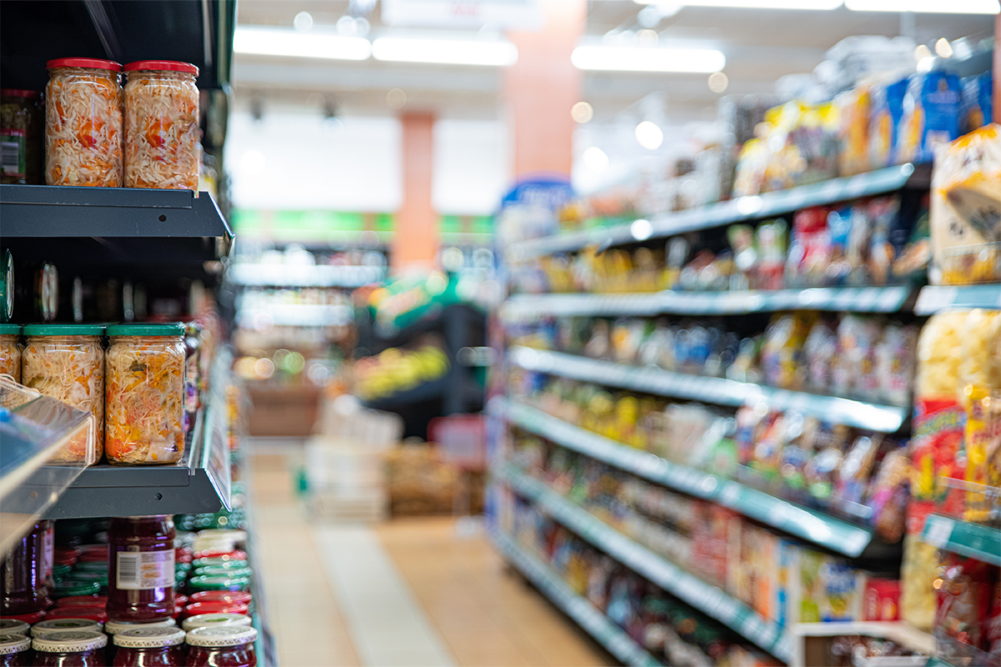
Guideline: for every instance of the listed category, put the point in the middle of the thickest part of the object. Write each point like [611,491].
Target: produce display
[394,370]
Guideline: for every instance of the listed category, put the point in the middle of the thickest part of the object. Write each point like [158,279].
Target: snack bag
[881,600]
[854,108]
[841,588]
[977,104]
[745,255]
[895,363]
[819,350]
[839,228]
[963,604]
[889,494]
[782,352]
[983,426]
[678,249]
[853,371]
[911,263]
[931,115]
[810,250]
[811,585]
[918,571]
[771,240]
[882,214]
[887,110]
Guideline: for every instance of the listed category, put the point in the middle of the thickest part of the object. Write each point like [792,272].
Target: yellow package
[917,577]
[854,106]
[940,354]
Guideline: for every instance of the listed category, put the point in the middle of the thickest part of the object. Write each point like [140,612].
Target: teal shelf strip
[653,380]
[595,623]
[932,299]
[966,539]
[736,210]
[701,595]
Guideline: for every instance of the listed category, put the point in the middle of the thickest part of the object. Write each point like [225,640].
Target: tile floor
[409,592]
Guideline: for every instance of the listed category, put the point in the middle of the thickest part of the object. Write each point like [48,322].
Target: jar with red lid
[234,597]
[222,646]
[209,620]
[141,569]
[15,650]
[162,147]
[83,123]
[149,647]
[70,648]
[216,607]
[30,619]
[82,601]
[94,613]
[22,576]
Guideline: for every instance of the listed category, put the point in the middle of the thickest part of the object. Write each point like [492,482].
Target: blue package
[887,110]
[931,115]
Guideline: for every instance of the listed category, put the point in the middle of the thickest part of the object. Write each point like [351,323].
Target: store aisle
[409,592]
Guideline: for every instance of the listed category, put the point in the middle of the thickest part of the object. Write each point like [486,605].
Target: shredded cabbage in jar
[10,357]
[83,128]
[73,372]
[161,135]
[145,401]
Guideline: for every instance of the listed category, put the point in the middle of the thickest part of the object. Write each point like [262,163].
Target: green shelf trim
[595,623]
[934,299]
[701,595]
[653,380]
[966,539]
[816,527]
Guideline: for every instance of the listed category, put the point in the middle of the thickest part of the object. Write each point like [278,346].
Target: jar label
[12,153]
[145,571]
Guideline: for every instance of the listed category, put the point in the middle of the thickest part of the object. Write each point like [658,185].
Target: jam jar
[149,647]
[141,569]
[70,648]
[113,628]
[15,650]
[22,575]
[48,627]
[9,626]
[208,620]
[222,646]
[235,597]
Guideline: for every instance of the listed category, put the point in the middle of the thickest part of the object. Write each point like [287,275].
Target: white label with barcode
[145,571]
[10,156]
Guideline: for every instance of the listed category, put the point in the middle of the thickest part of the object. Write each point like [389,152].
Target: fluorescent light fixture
[758,4]
[296,44]
[445,51]
[638,59]
[925,6]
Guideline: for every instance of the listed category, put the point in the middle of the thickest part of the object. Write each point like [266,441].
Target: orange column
[541,88]
[416,239]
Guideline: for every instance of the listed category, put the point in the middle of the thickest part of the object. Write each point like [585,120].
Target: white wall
[471,166]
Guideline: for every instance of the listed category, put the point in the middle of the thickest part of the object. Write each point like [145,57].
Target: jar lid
[70,641]
[147,329]
[206,620]
[64,329]
[114,627]
[232,554]
[204,582]
[59,570]
[169,65]
[14,92]
[237,597]
[13,642]
[95,613]
[76,587]
[92,566]
[149,637]
[89,63]
[216,561]
[215,607]
[10,329]
[62,624]
[221,635]
[82,601]
[27,618]
[222,571]
[12,625]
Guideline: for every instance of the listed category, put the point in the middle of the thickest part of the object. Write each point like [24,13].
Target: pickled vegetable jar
[10,353]
[21,136]
[14,650]
[66,362]
[161,125]
[70,648]
[22,576]
[145,394]
[222,646]
[141,572]
[149,647]
[83,123]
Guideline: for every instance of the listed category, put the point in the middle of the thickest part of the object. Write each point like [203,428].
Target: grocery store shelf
[933,299]
[586,615]
[701,595]
[653,380]
[295,315]
[816,527]
[967,539]
[735,210]
[849,299]
[284,275]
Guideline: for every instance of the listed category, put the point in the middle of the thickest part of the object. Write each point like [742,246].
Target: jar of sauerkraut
[145,394]
[83,123]
[161,125]
[66,362]
[10,353]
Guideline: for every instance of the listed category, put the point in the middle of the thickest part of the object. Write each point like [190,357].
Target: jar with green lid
[21,126]
[218,583]
[145,394]
[219,562]
[60,571]
[10,351]
[217,571]
[14,650]
[92,566]
[65,588]
[66,362]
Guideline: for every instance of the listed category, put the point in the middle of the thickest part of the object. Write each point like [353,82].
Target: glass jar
[222,646]
[192,347]
[141,572]
[98,614]
[149,647]
[47,627]
[15,650]
[218,583]
[66,362]
[83,123]
[235,597]
[10,352]
[10,626]
[70,648]
[209,620]
[22,576]
[202,608]
[161,125]
[21,134]
[145,394]
[66,589]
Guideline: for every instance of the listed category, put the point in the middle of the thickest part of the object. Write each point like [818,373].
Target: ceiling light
[943,48]
[649,135]
[926,6]
[718,82]
[637,59]
[759,4]
[581,112]
[445,51]
[595,159]
[290,43]
[303,21]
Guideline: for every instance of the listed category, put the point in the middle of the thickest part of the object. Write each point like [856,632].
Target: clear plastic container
[70,648]
[15,650]
[66,362]
[161,125]
[83,123]
[222,646]
[22,576]
[10,352]
[149,647]
[145,394]
[141,569]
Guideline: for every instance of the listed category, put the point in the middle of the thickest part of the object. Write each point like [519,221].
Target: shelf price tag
[938,530]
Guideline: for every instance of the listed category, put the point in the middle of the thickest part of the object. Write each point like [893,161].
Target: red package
[937,450]
[881,601]
[964,602]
